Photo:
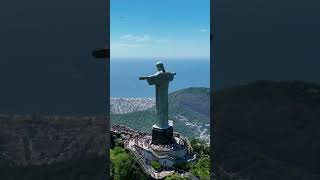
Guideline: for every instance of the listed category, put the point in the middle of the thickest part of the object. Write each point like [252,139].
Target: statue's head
[160,66]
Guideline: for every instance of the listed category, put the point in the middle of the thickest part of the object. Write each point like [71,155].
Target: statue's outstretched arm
[151,79]
[147,77]
[143,77]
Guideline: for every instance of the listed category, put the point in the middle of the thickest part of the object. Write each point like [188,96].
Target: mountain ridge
[188,117]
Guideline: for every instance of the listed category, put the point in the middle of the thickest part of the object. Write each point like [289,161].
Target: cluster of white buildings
[127,105]
[203,130]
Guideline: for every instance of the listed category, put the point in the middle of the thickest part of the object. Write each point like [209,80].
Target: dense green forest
[124,166]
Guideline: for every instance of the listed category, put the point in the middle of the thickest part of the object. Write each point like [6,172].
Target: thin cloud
[127,45]
[130,37]
[203,30]
[164,40]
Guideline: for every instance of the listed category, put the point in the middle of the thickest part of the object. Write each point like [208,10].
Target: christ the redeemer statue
[161,132]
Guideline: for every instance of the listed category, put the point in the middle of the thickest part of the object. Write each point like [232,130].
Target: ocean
[124,74]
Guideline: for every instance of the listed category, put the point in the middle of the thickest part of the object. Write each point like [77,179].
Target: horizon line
[162,58]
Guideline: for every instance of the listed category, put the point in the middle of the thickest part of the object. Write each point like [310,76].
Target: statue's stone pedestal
[162,136]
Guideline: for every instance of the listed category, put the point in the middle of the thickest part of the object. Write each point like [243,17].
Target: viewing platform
[168,156]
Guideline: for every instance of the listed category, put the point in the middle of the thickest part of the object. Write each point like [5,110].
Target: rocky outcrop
[37,140]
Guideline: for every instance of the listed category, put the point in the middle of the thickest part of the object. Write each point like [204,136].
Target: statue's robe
[161,81]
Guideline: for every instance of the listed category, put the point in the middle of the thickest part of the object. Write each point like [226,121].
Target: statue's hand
[142,78]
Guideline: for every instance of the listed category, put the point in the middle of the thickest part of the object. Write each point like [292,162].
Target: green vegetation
[201,169]
[184,166]
[144,120]
[119,142]
[199,147]
[193,90]
[155,165]
[175,176]
[193,103]
[196,112]
[124,166]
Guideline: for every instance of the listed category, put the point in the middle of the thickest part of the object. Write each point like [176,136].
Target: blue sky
[160,29]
